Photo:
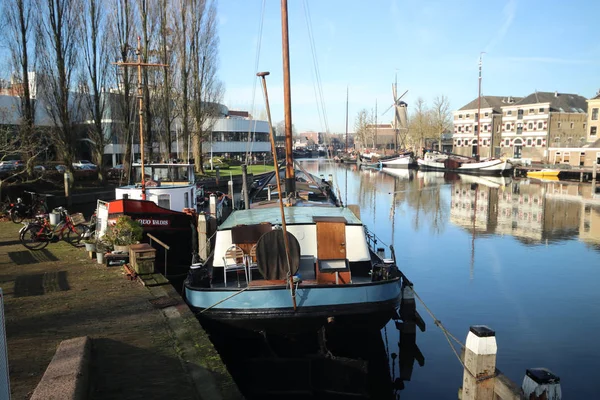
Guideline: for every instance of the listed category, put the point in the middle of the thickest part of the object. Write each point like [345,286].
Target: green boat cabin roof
[293,216]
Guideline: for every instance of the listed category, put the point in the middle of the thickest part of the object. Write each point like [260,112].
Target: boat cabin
[328,245]
[170,186]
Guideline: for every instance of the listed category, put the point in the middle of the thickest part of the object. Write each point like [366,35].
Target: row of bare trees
[70,47]
[424,123]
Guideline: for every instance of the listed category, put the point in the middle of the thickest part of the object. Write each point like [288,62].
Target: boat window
[186,200]
[164,201]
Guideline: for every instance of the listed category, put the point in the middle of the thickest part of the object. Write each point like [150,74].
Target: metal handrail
[165,246]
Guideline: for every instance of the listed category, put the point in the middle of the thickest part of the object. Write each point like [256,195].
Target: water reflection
[535,248]
[337,362]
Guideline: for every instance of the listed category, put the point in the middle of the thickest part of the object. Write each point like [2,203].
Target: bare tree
[206,89]
[94,75]
[440,117]
[182,35]
[420,123]
[363,127]
[59,29]
[122,35]
[19,20]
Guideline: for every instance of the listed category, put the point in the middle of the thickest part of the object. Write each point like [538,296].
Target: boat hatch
[332,264]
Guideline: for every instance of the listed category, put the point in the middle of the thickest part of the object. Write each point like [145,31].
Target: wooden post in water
[541,384]
[480,364]
[212,205]
[203,235]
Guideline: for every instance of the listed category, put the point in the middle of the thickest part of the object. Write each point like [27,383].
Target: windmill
[400,116]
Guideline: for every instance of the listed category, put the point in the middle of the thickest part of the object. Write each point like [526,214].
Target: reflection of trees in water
[425,200]
[428,205]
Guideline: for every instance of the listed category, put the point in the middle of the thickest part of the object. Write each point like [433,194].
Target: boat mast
[396,114]
[479,109]
[346,119]
[139,64]
[290,179]
[279,192]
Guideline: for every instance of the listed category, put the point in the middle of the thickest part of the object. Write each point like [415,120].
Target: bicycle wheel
[16,217]
[76,234]
[33,239]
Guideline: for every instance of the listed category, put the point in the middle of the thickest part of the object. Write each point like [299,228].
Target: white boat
[406,160]
[435,161]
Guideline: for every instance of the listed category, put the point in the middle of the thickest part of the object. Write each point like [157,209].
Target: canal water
[520,256]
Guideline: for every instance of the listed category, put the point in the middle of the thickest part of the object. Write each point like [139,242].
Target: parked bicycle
[36,235]
[21,211]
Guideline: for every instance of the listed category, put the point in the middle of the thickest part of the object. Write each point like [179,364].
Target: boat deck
[232,282]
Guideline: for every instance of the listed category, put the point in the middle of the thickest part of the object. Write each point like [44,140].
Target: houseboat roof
[293,215]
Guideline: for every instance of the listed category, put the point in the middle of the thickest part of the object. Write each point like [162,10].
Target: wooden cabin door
[331,245]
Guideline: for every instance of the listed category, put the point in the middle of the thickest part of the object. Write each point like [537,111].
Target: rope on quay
[445,331]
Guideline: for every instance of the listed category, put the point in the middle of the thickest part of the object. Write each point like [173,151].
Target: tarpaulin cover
[249,233]
[270,255]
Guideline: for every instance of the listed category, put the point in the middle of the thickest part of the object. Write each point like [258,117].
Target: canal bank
[145,342]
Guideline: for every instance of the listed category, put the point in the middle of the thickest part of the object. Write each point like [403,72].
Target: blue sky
[433,46]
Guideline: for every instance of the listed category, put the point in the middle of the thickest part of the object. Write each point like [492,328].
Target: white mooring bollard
[541,383]
[480,364]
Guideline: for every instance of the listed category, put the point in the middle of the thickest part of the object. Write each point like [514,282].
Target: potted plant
[102,246]
[124,232]
[90,244]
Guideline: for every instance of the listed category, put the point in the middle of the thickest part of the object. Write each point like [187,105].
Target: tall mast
[139,64]
[479,109]
[290,179]
[346,119]
[396,114]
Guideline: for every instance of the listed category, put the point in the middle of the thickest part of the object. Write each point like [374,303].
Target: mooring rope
[225,299]
[445,331]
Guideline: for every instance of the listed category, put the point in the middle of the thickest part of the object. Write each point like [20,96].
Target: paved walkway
[139,351]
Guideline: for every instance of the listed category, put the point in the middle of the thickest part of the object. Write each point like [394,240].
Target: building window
[520,114]
[530,125]
[475,129]
[486,114]
[540,125]
[468,116]
[538,142]
[541,110]
[508,127]
[459,142]
[594,114]
[593,130]
[519,129]
[485,142]
[556,139]
[559,125]
[507,142]
[566,157]
[531,111]
[529,142]
[572,125]
[509,112]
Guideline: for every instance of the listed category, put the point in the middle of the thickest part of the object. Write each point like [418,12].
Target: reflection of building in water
[470,206]
[521,211]
[580,198]
[530,212]
[589,229]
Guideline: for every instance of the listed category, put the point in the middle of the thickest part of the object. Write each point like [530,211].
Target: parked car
[115,172]
[84,164]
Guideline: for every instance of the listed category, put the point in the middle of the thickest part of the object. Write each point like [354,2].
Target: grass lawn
[237,170]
